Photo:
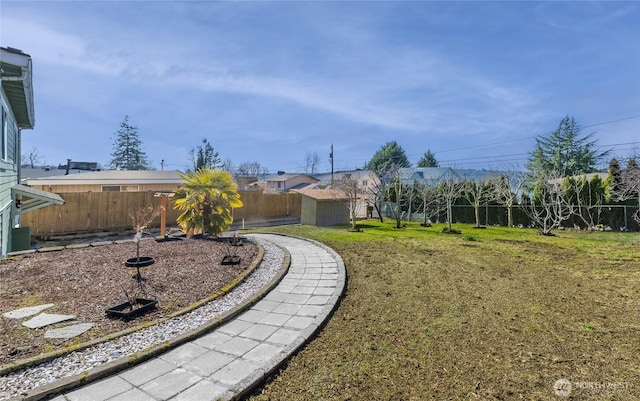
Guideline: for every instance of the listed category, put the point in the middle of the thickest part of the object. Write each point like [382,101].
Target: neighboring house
[28,173]
[87,166]
[246,183]
[17,114]
[368,181]
[323,207]
[426,175]
[433,175]
[110,181]
[284,182]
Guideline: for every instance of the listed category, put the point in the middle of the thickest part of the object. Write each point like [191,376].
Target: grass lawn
[492,313]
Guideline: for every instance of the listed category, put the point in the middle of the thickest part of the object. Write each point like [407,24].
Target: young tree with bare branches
[450,189]
[549,204]
[587,196]
[504,189]
[350,192]
[431,201]
[476,192]
[629,186]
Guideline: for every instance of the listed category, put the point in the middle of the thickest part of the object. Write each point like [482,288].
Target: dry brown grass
[497,314]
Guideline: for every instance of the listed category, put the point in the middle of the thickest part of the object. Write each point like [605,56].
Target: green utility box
[20,239]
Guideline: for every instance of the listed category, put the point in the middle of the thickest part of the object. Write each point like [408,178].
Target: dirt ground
[86,281]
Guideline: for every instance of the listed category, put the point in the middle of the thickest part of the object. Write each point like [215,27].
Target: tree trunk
[375,204]
[477,210]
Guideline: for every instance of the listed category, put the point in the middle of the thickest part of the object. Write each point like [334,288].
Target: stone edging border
[42,358]
[110,368]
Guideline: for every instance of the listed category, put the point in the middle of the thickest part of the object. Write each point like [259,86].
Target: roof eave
[19,87]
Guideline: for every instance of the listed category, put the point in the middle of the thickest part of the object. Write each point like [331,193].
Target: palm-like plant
[206,199]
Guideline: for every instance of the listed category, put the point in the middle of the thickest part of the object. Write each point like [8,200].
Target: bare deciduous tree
[549,205]
[476,192]
[374,193]
[395,191]
[227,165]
[587,196]
[33,158]
[311,161]
[504,190]
[251,169]
[629,186]
[349,190]
[450,189]
[431,200]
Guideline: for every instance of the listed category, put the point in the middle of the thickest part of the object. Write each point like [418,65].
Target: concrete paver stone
[26,312]
[45,319]
[171,383]
[68,331]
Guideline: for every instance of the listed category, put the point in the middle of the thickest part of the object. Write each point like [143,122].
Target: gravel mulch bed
[86,281]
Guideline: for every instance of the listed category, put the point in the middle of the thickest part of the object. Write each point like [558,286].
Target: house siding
[98,187]
[285,184]
[8,173]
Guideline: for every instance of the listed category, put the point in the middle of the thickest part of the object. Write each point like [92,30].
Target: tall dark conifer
[127,149]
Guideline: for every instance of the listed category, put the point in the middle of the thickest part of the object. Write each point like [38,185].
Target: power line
[483,145]
[611,122]
[504,157]
[534,136]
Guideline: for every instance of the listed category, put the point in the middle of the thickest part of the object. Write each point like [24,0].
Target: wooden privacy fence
[109,211]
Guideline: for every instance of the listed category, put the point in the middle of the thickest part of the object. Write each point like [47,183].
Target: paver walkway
[229,361]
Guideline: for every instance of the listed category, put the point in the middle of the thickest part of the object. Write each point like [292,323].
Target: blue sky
[272,82]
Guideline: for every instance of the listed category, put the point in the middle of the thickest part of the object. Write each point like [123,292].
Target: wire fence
[603,217]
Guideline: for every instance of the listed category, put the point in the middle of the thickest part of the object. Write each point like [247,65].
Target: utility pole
[331,160]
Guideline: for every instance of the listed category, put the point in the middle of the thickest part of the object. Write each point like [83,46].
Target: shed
[323,207]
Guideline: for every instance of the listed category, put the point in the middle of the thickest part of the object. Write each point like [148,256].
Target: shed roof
[322,194]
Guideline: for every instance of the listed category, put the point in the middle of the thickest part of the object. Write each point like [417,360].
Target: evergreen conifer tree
[428,160]
[565,151]
[388,156]
[204,156]
[127,149]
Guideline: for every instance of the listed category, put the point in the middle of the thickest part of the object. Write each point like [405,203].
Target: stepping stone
[45,319]
[68,331]
[51,248]
[101,243]
[26,312]
[77,246]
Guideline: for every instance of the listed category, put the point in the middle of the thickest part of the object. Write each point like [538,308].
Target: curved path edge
[228,361]
[91,375]
[43,358]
